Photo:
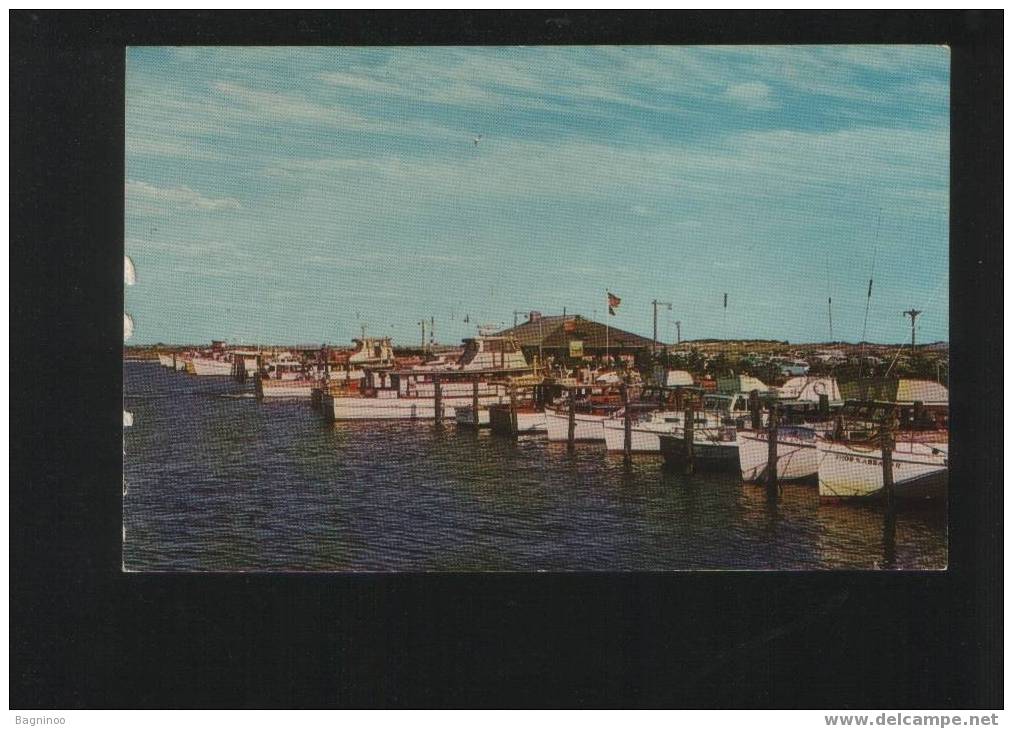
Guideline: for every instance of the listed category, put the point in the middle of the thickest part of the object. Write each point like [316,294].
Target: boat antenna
[830,301]
[868,296]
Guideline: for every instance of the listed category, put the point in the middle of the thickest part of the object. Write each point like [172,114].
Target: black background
[83,634]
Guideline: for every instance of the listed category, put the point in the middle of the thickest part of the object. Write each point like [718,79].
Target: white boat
[848,470]
[285,377]
[166,360]
[716,410]
[410,406]
[809,389]
[797,458]
[245,363]
[713,448]
[586,426]
[529,420]
[464,415]
[411,394]
[205,367]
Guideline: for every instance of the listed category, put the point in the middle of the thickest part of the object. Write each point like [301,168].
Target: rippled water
[216,480]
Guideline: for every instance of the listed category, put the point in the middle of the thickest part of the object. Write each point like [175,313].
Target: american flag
[613,303]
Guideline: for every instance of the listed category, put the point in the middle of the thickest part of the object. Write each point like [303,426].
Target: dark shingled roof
[551,331]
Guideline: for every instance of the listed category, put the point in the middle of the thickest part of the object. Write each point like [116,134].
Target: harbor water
[216,480]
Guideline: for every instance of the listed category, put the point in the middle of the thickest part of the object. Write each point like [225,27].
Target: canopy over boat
[898,390]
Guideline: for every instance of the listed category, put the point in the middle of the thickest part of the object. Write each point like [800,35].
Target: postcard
[536,309]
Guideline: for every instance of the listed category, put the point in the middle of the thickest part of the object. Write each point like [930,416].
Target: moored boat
[208,367]
[465,416]
[715,449]
[411,394]
[796,453]
[284,377]
[848,470]
[851,457]
[714,411]
[591,404]
[530,419]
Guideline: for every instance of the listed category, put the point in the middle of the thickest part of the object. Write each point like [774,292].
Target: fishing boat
[209,367]
[714,448]
[245,363]
[411,394]
[343,371]
[592,405]
[797,457]
[522,414]
[215,361]
[285,376]
[166,360]
[849,470]
[851,457]
[467,416]
[714,411]
[530,419]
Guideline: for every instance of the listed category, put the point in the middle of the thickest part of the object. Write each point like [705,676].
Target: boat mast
[868,296]
[830,301]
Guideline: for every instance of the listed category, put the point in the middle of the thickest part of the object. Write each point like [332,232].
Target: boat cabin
[492,353]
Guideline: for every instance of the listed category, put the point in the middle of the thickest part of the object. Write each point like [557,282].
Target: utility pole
[432,321]
[913,313]
[423,323]
[678,332]
[527,313]
[656,304]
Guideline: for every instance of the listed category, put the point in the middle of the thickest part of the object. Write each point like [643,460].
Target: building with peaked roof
[574,336]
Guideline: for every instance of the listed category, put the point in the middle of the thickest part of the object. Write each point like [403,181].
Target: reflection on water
[219,482]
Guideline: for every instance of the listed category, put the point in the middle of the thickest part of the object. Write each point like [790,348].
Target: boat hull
[165,360]
[707,454]
[395,408]
[920,471]
[528,421]
[210,367]
[586,427]
[287,389]
[465,417]
[642,440]
[797,458]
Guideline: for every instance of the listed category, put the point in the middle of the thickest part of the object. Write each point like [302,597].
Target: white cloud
[148,196]
[752,95]
[147,147]
[285,107]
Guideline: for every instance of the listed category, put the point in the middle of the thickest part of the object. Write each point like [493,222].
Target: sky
[294,195]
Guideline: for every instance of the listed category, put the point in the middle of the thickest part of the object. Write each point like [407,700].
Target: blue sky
[290,194]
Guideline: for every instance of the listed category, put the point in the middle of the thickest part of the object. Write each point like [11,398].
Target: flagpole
[607,310]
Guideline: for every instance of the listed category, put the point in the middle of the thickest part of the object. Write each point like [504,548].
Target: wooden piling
[825,405]
[627,425]
[886,446]
[772,450]
[839,428]
[688,425]
[513,409]
[755,421]
[438,387]
[571,427]
[474,401]
[919,412]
